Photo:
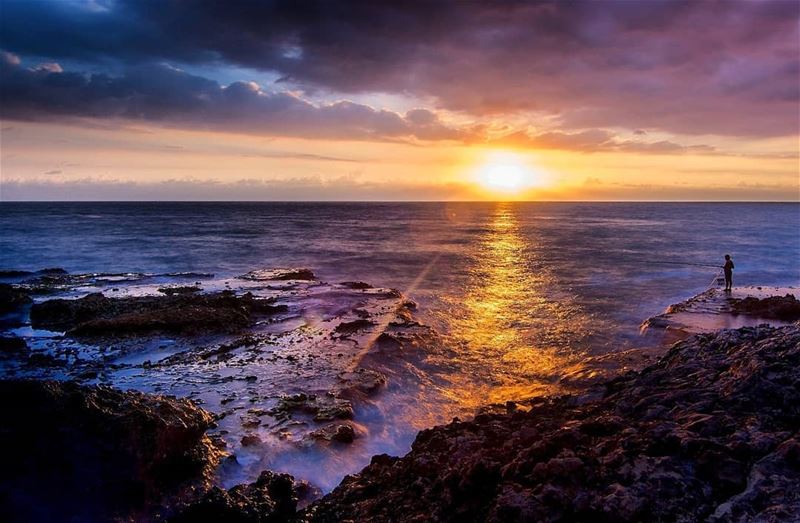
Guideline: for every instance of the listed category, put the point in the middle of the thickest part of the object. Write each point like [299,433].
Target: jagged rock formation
[75,453]
[709,433]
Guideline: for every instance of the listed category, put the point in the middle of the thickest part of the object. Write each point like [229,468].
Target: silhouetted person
[728,268]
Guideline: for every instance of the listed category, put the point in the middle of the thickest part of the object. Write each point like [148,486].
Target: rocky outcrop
[96,314]
[12,298]
[270,499]
[784,308]
[75,453]
[710,432]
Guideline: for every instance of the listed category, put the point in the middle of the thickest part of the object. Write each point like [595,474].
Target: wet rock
[364,381]
[279,274]
[270,499]
[341,433]
[336,409]
[14,273]
[95,453]
[179,289]
[250,440]
[43,359]
[784,308]
[350,327]
[358,285]
[96,314]
[12,345]
[325,408]
[709,432]
[12,298]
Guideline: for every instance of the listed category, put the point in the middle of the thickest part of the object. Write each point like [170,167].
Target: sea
[517,291]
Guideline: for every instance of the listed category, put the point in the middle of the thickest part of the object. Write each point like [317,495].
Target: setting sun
[507,172]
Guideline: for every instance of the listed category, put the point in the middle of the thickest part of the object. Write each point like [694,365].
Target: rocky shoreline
[707,432]
[711,432]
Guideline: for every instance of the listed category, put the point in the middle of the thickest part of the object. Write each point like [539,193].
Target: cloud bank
[725,67]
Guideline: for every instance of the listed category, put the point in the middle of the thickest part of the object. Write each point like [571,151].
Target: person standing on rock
[728,268]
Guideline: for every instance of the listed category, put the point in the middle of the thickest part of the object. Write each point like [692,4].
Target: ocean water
[520,293]
[613,261]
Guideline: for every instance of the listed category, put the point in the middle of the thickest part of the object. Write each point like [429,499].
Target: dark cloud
[166,95]
[725,67]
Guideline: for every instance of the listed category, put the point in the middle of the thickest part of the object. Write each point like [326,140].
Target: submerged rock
[96,453]
[709,432]
[96,314]
[12,298]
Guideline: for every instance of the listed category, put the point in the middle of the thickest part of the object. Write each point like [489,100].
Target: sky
[370,100]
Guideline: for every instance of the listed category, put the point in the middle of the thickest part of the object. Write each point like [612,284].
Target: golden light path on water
[511,332]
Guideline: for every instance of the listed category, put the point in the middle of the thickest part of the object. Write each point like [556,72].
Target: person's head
[727,256]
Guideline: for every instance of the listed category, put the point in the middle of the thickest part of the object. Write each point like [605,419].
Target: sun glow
[507,172]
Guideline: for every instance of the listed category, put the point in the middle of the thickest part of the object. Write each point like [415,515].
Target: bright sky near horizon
[320,100]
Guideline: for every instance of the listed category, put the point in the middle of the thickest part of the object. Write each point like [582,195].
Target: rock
[12,345]
[344,434]
[341,433]
[361,382]
[79,453]
[12,298]
[179,289]
[270,499]
[325,408]
[350,327]
[722,447]
[279,274]
[356,285]
[337,409]
[95,314]
[784,308]
[250,440]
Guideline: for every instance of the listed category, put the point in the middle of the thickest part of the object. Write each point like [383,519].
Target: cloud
[597,140]
[53,172]
[351,189]
[718,67]
[296,189]
[163,94]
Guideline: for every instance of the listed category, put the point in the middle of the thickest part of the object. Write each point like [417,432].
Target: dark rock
[280,274]
[96,314]
[12,345]
[356,285]
[361,382]
[250,440]
[14,273]
[349,327]
[270,499]
[723,447]
[79,453]
[785,308]
[341,433]
[179,289]
[325,408]
[12,298]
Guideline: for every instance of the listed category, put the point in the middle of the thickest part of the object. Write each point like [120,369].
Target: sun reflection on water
[509,333]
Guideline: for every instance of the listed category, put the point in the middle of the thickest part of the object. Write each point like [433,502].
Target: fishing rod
[716,266]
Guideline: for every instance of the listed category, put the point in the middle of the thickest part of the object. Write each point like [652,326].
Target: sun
[506,172]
